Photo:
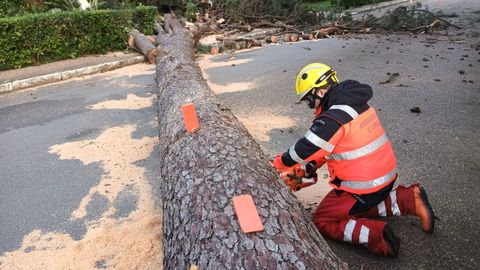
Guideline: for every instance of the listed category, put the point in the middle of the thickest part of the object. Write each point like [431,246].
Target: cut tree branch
[436,17]
[143,44]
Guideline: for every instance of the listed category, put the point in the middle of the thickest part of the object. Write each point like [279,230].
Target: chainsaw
[300,176]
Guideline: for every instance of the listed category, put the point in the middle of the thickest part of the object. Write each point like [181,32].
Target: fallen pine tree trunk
[202,171]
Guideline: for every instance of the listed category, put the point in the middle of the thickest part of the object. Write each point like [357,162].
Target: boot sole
[424,197]
[391,239]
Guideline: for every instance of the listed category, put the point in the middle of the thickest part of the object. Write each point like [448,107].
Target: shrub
[45,37]
[318,5]
[289,11]
[20,7]
[191,10]
[62,4]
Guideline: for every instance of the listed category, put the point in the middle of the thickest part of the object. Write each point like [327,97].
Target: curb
[378,6]
[65,75]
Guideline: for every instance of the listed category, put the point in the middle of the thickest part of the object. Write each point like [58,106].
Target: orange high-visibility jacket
[353,144]
[362,160]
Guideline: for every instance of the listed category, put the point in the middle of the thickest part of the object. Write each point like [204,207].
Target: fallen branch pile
[236,36]
[408,18]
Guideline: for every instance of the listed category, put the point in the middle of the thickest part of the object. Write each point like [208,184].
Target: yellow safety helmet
[312,76]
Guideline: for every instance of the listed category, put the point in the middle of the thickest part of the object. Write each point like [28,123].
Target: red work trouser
[333,220]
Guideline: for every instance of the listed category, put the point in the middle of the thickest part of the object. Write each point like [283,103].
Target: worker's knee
[320,222]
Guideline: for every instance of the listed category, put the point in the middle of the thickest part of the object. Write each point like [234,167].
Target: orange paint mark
[190,117]
[247,214]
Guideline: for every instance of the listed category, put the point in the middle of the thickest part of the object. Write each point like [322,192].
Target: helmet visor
[310,98]
[304,95]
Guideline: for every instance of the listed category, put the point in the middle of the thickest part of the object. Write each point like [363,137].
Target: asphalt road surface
[438,147]
[78,163]
[78,166]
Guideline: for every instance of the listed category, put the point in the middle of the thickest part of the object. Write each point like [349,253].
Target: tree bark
[261,34]
[226,34]
[283,26]
[307,36]
[245,28]
[166,23]
[204,27]
[158,28]
[331,30]
[202,171]
[143,44]
[229,43]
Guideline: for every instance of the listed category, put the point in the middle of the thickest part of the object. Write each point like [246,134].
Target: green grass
[320,5]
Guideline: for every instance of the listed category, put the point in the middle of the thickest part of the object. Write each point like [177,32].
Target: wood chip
[390,79]
[415,110]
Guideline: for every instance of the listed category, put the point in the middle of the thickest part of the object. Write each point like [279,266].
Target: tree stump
[214,50]
[294,37]
[272,39]
[202,171]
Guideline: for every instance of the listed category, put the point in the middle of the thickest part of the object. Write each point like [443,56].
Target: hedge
[45,37]
[354,3]
[18,7]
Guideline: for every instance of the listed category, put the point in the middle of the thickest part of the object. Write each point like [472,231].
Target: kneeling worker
[346,134]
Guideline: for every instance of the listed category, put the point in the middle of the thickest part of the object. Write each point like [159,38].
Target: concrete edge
[65,75]
[377,6]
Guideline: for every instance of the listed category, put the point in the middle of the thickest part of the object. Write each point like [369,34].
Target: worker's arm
[318,142]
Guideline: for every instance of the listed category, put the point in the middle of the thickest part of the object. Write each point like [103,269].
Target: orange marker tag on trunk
[190,117]
[247,214]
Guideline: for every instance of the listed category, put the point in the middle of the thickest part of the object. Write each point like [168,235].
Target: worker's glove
[296,177]
[278,164]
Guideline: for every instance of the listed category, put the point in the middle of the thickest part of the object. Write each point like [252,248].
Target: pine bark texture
[202,171]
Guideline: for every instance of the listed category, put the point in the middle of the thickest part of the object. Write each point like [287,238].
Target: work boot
[393,242]
[423,210]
